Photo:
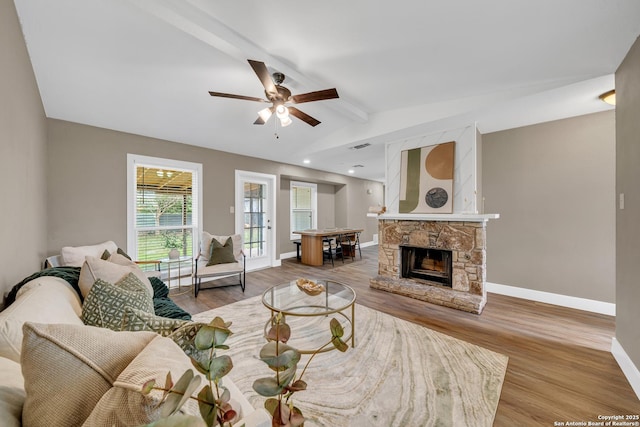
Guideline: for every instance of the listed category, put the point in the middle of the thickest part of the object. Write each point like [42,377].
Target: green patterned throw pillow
[221,254]
[185,337]
[105,303]
[134,320]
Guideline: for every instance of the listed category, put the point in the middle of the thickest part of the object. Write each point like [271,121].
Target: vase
[174,254]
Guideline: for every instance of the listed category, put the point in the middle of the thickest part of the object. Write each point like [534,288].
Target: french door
[255,217]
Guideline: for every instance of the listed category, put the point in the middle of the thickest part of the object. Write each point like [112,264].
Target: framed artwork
[426,179]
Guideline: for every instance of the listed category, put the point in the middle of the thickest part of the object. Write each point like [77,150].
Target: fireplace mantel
[439,217]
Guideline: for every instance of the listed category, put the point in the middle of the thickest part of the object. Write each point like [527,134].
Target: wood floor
[560,366]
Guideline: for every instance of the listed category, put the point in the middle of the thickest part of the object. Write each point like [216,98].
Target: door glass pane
[254,223]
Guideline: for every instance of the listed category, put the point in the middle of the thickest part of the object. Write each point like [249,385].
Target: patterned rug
[398,374]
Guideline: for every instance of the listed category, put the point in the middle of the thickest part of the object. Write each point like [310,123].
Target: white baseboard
[626,364]
[288,255]
[601,307]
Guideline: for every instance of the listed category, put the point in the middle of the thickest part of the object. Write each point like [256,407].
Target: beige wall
[87,186]
[628,220]
[553,185]
[22,157]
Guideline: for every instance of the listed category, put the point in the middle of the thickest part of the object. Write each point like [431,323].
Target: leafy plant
[213,398]
[172,240]
[283,359]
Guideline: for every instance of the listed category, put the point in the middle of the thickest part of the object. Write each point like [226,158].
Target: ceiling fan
[279,96]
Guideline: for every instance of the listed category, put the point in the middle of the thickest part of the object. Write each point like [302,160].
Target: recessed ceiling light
[351,171]
[306,161]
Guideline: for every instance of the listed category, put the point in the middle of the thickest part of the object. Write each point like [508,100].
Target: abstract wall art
[426,179]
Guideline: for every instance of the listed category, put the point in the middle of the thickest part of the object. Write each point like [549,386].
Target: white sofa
[46,316]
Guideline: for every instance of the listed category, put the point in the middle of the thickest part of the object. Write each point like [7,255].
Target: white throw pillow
[205,244]
[74,256]
[95,268]
[45,300]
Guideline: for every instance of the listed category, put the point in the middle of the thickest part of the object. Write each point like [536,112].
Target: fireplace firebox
[430,264]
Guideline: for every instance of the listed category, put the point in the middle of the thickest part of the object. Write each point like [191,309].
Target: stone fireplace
[438,259]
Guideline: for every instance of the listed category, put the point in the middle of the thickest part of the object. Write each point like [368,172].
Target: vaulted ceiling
[401,68]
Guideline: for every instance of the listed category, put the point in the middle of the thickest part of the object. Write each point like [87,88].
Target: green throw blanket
[162,304]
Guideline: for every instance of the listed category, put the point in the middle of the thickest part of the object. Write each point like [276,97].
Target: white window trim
[314,205]
[134,160]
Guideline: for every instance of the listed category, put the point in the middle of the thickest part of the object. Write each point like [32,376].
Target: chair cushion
[105,305]
[82,361]
[219,253]
[95,268]
[205,270]
[74,255]
[45,299]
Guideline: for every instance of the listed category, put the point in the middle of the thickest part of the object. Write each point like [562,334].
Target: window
[304,214]
[163,207]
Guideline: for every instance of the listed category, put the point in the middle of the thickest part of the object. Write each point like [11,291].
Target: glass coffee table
[309,315]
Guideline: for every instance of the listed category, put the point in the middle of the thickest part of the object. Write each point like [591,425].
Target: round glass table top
[321,297]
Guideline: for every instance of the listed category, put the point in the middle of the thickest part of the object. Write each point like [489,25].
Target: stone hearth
[466,240]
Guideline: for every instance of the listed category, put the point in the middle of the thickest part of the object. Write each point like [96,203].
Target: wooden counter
[312,242]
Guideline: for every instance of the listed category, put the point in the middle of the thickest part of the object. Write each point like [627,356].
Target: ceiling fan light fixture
[286,121]
[282,112]
[265,114]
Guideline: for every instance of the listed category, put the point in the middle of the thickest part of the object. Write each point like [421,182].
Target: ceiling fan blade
[263,74]
[230,95]
[259,121]
[303,116]
[315,96]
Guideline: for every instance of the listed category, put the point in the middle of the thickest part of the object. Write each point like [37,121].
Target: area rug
[398,373]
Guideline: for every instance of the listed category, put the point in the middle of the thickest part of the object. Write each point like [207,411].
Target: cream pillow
[68,368]
[95,268]
[124,405]
[74,256]
[44,299]
[205,244]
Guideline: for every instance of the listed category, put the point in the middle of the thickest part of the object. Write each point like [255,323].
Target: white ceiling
[401,68]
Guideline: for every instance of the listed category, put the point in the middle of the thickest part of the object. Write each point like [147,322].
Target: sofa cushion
[221,254]
[82,361]
[74,255]
[46,299]
[12,393]
[95,268]
[106,302]
[139,320]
